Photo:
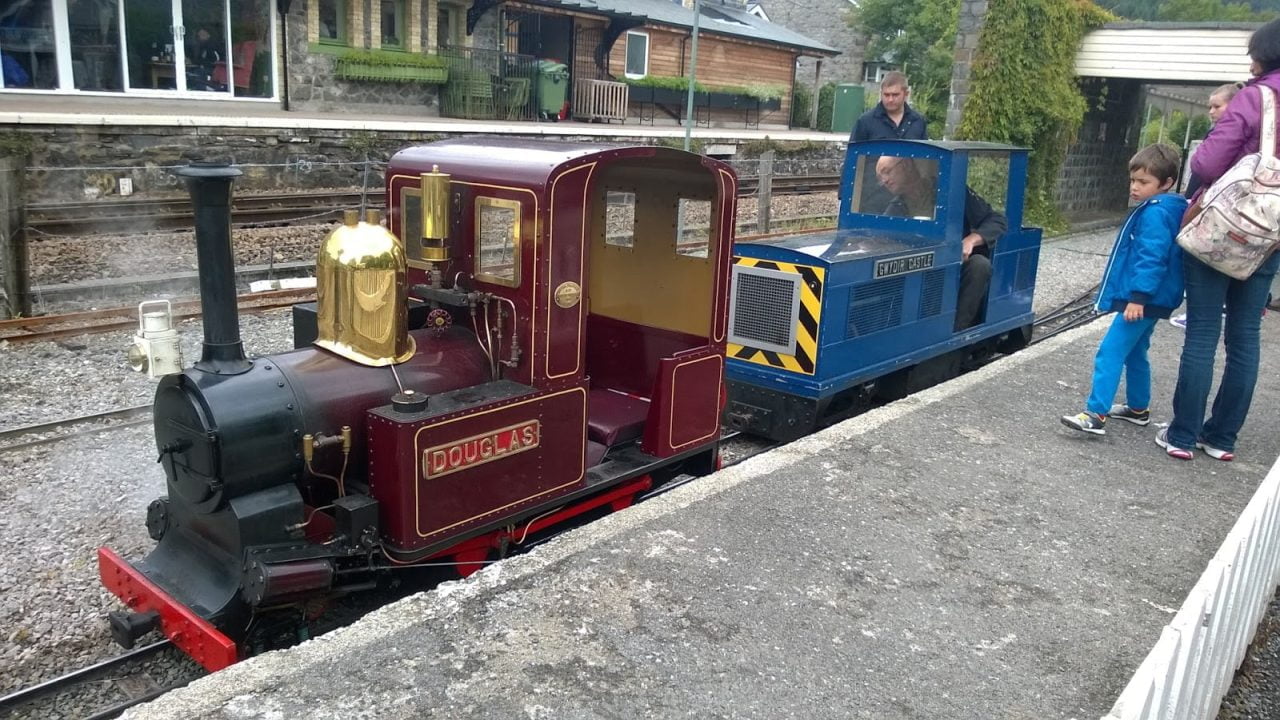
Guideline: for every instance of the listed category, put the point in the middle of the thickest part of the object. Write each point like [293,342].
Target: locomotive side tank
[824,324]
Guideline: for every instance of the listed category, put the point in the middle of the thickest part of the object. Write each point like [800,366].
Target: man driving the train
[915,196]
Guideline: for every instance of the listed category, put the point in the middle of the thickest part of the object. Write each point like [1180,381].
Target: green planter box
[357,70]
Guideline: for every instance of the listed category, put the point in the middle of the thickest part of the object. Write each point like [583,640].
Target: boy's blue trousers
[1123,348]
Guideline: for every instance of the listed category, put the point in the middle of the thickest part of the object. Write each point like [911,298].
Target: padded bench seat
[614,417]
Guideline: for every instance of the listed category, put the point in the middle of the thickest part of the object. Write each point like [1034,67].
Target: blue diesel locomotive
[823,325]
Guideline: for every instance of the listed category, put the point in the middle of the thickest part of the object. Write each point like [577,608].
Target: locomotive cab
[825,324]
[605,270]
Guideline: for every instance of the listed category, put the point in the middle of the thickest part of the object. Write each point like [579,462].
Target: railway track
[118,683]
[174,213]
[27,436]
[54,327]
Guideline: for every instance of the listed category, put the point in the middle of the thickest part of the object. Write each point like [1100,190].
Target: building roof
[733,21]
[1162,25]
[1167,52]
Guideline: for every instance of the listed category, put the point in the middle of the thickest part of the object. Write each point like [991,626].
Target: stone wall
[313,86]
[968,29]
[826,21]
[1095,174]
[75,163]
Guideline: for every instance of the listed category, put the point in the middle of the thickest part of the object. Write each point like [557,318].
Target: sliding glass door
[197,48]
[97,62]
[27,45]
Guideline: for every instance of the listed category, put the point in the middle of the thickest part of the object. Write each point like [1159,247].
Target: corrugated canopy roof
[716,18]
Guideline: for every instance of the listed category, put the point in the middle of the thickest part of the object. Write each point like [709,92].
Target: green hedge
[760,91]
[391,58]
[1024,89]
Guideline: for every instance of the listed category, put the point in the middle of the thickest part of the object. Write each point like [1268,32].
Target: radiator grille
[874,307]
[931,293]
[764,309]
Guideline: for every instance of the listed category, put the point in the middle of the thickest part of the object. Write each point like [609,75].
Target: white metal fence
[1191,667]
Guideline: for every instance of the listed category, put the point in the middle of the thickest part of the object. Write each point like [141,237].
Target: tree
[1194,10]
[1208,10]
[919,37]
[1133,9]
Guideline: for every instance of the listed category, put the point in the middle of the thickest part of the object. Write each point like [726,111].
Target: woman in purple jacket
[1208,291]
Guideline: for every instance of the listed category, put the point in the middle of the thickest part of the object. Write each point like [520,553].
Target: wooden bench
[600,100]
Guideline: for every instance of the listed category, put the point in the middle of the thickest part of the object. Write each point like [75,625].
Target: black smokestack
[210,186]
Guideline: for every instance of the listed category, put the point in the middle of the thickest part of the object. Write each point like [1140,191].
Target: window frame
[631,245]
[401,13]
[626,56]
[457,21]
[486,201]
[342,11]
[412,243]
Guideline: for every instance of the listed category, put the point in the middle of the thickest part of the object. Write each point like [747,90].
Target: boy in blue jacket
[1142,284]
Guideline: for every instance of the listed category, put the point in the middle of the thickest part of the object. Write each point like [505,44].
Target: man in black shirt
[914,196]
[892,118]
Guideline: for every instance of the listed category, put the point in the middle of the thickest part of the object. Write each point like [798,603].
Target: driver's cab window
[989,178]
[893,186]
[497,250]
[693,227]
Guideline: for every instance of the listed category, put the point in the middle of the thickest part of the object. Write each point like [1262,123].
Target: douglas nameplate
[903,265]
[480,449]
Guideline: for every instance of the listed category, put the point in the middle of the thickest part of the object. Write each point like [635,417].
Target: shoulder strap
[1267,141]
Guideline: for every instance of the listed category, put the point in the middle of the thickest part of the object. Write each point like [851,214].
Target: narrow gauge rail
[53,327]
[52,431]
[108,216]
[39,700]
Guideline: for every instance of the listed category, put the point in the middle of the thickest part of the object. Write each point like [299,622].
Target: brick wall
[1095,174]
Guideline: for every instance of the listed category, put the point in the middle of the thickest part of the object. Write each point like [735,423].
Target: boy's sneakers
[1215,453]
[1086,422]
[1179,321]
[1162,439]
[1128,414]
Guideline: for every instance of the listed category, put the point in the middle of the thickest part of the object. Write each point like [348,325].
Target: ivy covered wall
[1024,90]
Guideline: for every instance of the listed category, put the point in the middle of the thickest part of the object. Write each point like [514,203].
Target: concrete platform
[47,109]
[958,554]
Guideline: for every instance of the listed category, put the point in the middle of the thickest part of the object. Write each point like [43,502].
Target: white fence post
[1188,672]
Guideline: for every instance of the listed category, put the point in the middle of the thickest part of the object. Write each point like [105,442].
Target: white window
[637,54]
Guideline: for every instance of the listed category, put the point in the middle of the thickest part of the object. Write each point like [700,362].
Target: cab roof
[524,162]
[946,145]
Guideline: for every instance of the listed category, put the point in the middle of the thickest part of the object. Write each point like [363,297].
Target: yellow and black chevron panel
[805,357]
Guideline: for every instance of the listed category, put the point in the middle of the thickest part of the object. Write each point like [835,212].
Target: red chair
[242,57]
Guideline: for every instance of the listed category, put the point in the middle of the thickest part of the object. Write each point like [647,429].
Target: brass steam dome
[363,313]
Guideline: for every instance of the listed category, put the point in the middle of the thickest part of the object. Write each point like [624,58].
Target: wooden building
[481,59]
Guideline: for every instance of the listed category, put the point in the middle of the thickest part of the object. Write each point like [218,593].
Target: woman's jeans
[1124,348]
[1208,291]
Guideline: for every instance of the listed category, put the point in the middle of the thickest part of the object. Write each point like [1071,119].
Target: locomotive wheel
[471,561]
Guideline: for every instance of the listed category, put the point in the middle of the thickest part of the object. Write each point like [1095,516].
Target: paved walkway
[958,554]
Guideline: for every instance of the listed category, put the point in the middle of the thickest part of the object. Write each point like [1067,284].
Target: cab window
[411,225]
[894,186]
[620,219]
[497,250]
[989,178]
[693,228]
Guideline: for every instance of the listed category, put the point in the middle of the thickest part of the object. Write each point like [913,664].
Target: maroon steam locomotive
[540,333]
